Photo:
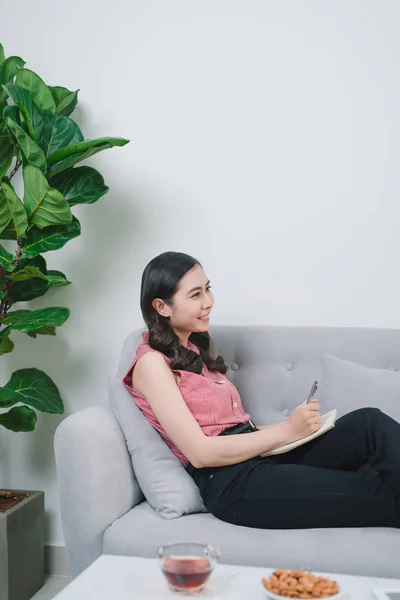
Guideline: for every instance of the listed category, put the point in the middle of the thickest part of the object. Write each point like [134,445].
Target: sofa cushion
[355,550]
[348,386]
[163,479]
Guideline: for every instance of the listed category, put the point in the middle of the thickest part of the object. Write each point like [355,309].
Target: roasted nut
[299,584]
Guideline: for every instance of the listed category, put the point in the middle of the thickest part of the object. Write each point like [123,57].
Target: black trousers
[348,477]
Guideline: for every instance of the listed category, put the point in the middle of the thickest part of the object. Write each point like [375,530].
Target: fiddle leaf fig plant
[41,144]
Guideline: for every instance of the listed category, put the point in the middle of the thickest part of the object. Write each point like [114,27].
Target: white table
[134,578]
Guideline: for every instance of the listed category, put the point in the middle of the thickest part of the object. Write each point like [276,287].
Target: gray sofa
[103,509]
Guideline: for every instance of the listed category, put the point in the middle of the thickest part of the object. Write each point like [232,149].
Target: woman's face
[191,304]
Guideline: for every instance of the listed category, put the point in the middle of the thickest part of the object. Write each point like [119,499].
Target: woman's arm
[154,380]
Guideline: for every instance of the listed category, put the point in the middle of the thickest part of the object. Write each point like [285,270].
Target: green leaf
[70,155]
[7,398]
[35,388]
[82,185]
[27,273]
[65,100]
[2,57]
[58,132]
[13,113]
[12,206]
[41,93]
[3,98]
[35,319]
[6,149]
[3,101]
[5,332]
[6,345]
[44,205]
[57,279]
[4,213]
[19,418]
[6,260]
[50,238]
[23,99]
[9,232]
[42,331]
[31,152]
[83,146]
[3,127]
[21,311]
[9,68]
[24,291]
[76,158]
[32,280]
[7,229]
[6,155]
[38,261]
[28,289]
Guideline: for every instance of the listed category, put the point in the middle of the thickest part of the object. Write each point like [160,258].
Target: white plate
[278,597]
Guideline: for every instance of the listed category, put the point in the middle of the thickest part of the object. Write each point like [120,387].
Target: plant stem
[15,169]
[4,304]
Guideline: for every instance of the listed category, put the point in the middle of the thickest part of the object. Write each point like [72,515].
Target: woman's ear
[161,307]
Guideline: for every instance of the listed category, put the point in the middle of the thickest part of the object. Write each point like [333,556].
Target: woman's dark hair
[160,279]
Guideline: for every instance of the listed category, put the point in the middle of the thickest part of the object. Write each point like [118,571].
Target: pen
[314,388]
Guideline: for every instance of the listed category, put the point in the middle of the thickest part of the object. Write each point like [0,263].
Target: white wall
[264,141]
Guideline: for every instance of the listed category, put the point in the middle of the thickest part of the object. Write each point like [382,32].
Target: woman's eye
[208,288]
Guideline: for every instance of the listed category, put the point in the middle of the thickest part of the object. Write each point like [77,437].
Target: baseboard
[56,561]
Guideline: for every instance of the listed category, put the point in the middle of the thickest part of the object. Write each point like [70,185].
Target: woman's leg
[262,493]
[363,437]
[349,477]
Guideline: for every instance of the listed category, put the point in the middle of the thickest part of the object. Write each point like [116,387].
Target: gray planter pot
[22,548]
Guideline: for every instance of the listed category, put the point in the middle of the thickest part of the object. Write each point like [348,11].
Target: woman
[348,477]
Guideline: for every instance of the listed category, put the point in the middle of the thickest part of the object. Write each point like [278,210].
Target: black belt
[245,427]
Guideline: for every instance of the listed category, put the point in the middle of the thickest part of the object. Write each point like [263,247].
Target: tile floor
[52,586]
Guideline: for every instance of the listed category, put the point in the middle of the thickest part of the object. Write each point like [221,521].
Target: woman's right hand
[304,420]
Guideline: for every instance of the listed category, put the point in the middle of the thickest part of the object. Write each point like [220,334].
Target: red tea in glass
[187,565]
[186,573]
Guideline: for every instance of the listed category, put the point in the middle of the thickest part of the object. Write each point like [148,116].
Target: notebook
[328,422]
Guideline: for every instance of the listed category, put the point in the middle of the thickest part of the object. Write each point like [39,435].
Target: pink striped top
[211,398]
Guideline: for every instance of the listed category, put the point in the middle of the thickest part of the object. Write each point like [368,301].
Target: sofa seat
[346,550]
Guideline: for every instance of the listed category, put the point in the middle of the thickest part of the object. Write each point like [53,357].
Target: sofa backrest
[273,367]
